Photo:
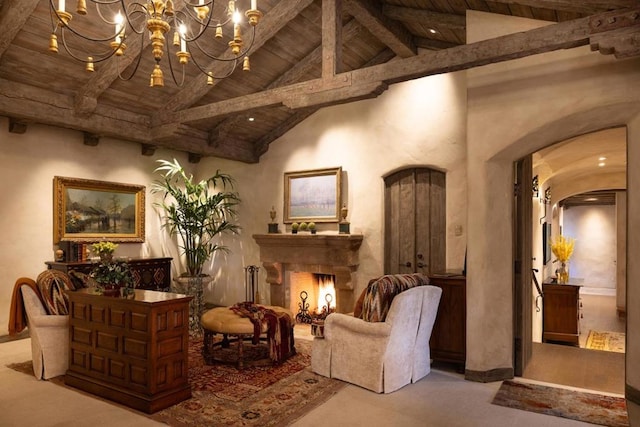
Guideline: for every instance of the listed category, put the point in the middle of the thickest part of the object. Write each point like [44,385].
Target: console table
[561,313]
[132,351]
[448,341]
[148,273]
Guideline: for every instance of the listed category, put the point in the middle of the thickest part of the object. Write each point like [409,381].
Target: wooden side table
[561,313]
[131,351]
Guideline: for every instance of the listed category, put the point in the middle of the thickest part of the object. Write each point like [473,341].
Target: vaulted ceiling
[307,54]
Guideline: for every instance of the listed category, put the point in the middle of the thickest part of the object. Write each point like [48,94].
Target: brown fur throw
[279,336]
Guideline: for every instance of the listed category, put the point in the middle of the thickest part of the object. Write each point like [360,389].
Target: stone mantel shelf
[335,254]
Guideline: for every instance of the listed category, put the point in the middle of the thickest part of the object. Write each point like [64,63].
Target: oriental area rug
[254,396]
[606,341]
[576,405]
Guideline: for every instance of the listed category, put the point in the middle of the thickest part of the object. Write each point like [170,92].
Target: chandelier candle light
[562,248]
[194,30]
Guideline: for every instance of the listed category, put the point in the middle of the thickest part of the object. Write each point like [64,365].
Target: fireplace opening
[311,295]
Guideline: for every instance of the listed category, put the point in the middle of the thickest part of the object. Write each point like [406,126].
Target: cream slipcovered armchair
[388,347]
[45,309]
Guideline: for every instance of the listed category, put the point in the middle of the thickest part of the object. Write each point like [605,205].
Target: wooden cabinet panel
[560,313]
[148,273]
[133,351]
[449,339]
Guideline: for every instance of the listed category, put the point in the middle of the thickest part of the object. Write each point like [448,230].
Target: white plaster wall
[417,123]
[29,163]
[632,360]
[514,109]
[594,254]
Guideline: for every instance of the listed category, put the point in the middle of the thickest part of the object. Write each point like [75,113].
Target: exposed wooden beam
[294,74]
[425,17]
[30,103]
[91,139]
[581,6]
[545,39]
[86,98]
[331,38]
[262,145]
[390,32]
[432,44]
[619,36]
[13,16]
[17,126]
[270,25]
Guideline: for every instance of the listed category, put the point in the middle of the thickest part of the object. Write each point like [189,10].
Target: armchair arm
[350,324]
[49,321]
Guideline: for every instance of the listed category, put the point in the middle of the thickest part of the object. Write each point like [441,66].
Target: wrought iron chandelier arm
[222,58]
[85,59]
[173,75]
[209,74]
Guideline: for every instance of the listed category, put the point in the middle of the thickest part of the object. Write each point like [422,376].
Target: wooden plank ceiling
[307,54]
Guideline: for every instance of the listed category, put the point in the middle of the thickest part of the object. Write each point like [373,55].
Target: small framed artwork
[86,210]
[312,195]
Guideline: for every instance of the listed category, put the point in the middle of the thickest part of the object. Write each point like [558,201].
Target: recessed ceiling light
[601,158]
[432,31]
[591,199]
[251,119]
[601,164]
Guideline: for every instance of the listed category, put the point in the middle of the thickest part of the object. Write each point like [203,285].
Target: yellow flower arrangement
[562,248]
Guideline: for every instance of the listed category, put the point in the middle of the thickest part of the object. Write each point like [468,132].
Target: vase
[193,286]
[106,257]
[563,273]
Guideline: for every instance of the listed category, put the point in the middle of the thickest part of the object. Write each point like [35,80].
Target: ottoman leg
[240,352]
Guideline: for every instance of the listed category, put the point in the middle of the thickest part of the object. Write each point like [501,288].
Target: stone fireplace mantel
[335,254]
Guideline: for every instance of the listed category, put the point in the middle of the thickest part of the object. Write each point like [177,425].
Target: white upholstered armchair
[380,356]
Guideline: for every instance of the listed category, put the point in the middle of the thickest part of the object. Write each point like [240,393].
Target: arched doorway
[561,335]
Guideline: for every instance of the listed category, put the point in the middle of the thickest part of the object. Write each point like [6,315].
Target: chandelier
[189,24]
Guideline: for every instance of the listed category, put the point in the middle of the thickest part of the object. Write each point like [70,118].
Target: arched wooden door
[415,221]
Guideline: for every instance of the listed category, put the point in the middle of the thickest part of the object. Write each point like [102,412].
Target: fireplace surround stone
[335,254]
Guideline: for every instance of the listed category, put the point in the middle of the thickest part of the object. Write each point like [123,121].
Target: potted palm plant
[198,212]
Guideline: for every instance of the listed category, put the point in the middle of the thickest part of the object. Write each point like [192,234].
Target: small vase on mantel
[563,273]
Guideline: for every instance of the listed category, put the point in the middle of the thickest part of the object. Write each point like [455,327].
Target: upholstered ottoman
[236,328]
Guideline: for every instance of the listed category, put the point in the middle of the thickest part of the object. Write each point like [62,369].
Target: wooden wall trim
[498,374]
[632,394]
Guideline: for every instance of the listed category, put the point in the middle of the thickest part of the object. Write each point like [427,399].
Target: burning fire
[326,291]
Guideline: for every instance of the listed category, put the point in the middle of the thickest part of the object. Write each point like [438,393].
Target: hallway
[578,367]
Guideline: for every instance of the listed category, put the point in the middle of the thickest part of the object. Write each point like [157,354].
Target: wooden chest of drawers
[132,351]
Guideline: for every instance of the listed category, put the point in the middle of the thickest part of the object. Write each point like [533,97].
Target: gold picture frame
[312,195]
[86,210]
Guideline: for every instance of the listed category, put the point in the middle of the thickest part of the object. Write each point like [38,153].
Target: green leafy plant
[115,274]
[196,211]
[303,226]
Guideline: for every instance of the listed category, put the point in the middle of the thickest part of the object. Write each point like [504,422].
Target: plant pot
[193,286]
[111,292]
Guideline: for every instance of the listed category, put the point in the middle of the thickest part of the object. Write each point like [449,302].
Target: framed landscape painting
[312,195]
[86,210]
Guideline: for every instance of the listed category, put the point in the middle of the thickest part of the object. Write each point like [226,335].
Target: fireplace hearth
[327,254]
